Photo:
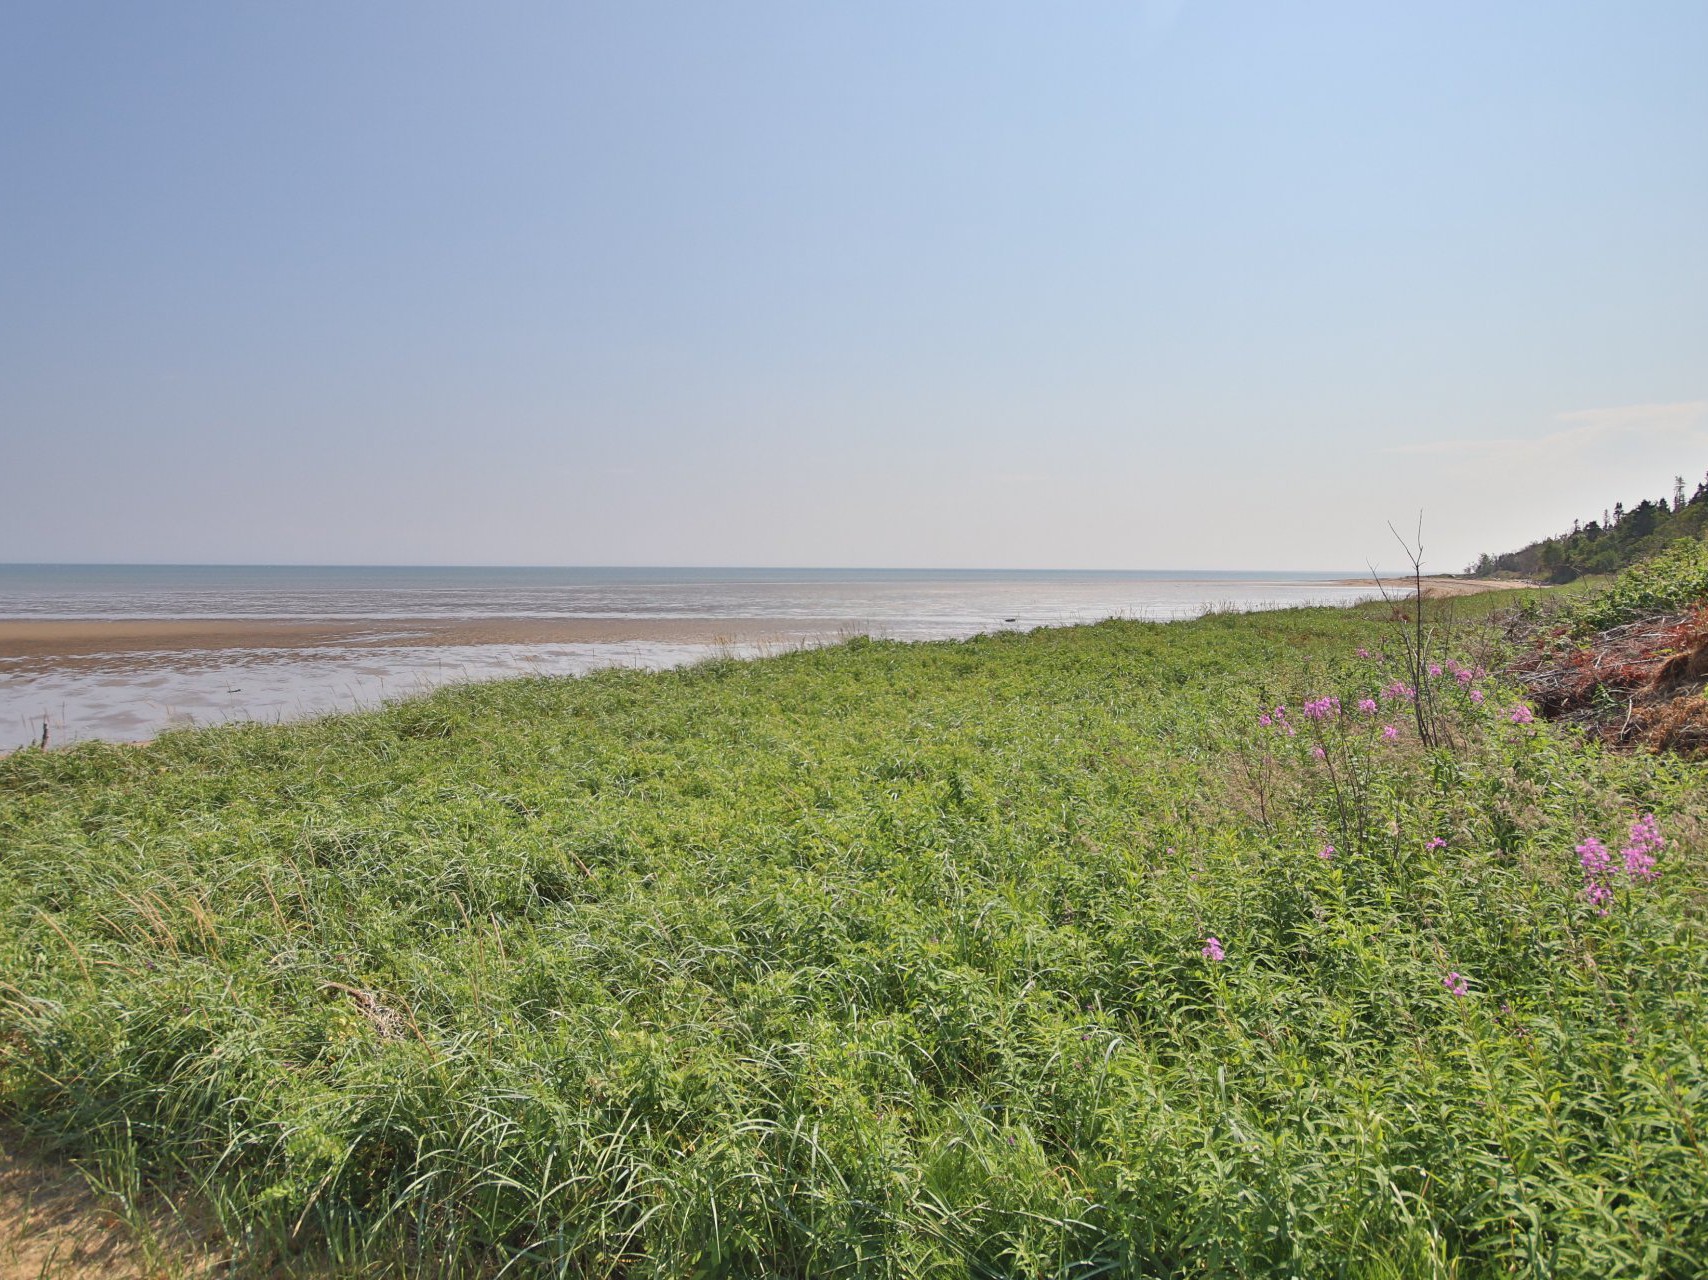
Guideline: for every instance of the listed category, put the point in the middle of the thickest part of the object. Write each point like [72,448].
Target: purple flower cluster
[1456,984]
[1213,949]
[1435,842]
[1276,719]
[1637,861]
[1324,708]
[1400,691]
[1390,733]
[1646,842]
[1367,706]
[1595,861]
[1521,714]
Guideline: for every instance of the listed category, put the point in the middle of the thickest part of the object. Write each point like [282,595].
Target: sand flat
[76,637]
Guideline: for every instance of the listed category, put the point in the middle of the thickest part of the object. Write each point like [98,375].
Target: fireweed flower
[1595,861]
[1521,715]
[1436,842]
[1367,706]
[1463,676]
[1399,691]
[1389,733]
[1212,948]
[1319,753]
[1363,653]
[1456,984]
[1435,668]
[1264,720]
[1322,708]
[1477,697]
[1593,857]
[1327,852]
[1646,841]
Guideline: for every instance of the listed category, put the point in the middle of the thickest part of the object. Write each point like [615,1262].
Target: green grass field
[883,960]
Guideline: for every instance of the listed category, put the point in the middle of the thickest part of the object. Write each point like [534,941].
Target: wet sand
[127,680]
[82,637]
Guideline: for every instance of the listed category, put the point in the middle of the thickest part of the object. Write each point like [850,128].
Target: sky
[1161,285]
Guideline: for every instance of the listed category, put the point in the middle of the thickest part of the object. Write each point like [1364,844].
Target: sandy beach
[1441,588]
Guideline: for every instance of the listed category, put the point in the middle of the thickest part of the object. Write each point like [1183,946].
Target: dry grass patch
[54,1224]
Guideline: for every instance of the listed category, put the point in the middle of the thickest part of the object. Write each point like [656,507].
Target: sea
[127,696]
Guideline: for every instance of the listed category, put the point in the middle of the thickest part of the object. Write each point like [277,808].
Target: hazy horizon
[1231,286]
[659,568]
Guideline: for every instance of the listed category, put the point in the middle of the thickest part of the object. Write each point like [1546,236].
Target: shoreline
[117,637]
[1441,587]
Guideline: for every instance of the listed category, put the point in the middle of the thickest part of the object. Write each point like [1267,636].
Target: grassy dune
[882,960]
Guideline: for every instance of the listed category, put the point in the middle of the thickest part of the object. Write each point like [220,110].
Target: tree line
[1620,538]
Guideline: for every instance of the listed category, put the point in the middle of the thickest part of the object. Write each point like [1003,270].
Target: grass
[878,960]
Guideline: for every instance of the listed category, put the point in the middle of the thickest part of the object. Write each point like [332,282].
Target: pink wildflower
[1593,857]
[1436,842]
[1363,653]
[1319,753]
[1322,708]
[1463,676]
[1213,949]
[1264,720]
[1646,841]
[1367,706]
[1456,984]
[1435,668]
[1389,733]
[1595,861]
[1399,691]
[1327,852]
[1521,714]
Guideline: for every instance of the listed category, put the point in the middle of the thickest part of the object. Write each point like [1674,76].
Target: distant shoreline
[1441,588]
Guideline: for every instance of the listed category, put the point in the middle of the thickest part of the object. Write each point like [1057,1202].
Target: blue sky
[1109,286]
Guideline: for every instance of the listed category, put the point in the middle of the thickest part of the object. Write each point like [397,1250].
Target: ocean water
[127,696]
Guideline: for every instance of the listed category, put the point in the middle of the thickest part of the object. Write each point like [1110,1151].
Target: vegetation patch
[1264,945]
[1627,664]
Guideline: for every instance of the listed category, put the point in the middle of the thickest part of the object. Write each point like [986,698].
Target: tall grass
[880,960]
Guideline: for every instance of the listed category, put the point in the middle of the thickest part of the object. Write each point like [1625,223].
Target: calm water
[129,696]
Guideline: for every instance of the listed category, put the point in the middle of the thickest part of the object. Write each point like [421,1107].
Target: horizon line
[767,568]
